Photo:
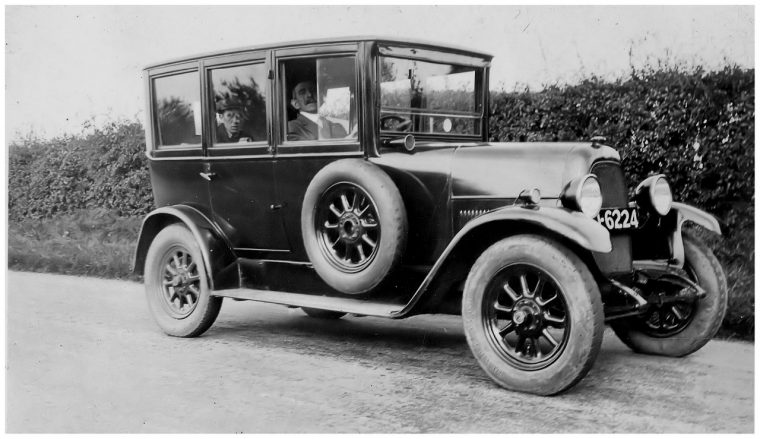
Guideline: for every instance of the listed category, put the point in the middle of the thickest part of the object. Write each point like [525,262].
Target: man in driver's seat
[309,125]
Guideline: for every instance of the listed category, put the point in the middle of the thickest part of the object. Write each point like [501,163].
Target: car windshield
[426,97]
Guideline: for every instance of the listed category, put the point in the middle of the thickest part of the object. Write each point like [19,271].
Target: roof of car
[333,40]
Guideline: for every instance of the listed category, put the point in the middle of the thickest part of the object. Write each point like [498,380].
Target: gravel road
[84,356]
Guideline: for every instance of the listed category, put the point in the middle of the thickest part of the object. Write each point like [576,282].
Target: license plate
[619,219]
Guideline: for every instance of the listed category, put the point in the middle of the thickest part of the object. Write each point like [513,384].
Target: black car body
[411,210]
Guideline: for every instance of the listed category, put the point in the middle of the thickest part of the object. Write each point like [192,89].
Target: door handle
[208,175]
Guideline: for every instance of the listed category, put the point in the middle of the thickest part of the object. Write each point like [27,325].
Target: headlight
[654,194]
[583,194]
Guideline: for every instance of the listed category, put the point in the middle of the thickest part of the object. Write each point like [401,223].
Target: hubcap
[180,283]
[526,316]
[347,227]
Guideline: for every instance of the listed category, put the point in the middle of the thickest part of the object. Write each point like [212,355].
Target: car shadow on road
[418,344]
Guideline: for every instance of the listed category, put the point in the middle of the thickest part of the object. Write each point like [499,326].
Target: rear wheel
[176,284]
[677,329]
[532,315]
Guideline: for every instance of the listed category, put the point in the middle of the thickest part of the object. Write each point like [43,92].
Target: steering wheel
[393,122]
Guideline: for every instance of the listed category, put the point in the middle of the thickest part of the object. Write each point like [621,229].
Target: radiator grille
[612,182]
[614,194]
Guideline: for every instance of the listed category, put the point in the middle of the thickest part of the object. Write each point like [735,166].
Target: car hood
[503,170]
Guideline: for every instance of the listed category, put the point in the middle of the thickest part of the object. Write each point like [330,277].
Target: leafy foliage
[105,169]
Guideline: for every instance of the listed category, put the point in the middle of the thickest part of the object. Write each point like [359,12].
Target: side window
[320,98]
[177,110]
[239,103]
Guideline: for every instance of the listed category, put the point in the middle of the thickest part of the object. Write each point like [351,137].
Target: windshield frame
[439,56]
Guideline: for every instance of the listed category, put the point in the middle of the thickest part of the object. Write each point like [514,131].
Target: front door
[317,123]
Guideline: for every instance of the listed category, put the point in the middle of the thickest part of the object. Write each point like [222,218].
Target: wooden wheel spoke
[344,202]
[173,271]
[362,211]
[526,292]
[677,313]
[539,288]
[499,307]
[176,260]
[544,302]
[547,335]
[369,241]
[509,327]
[368,225]
[557,322]
[510,292]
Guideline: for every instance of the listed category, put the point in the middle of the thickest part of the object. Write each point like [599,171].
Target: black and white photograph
[398,219]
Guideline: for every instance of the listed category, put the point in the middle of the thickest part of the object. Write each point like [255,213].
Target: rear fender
[218,258]
[689,213]
[560,222]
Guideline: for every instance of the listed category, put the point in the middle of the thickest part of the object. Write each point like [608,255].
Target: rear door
[175,136]
[241,164]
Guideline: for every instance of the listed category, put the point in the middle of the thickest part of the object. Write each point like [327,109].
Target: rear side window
[239,103]
[177,110]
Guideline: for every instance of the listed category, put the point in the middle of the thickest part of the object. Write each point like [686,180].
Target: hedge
[104,169]
[695,126]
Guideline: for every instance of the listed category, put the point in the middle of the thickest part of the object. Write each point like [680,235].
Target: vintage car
[355,176]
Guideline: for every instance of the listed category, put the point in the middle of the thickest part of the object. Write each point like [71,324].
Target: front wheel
[532,315]
[677,329]
[176,284]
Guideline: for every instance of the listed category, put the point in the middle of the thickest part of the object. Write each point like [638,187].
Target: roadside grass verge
[100,243]
[88,242]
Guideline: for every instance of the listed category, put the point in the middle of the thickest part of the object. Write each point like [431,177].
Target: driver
[309,125]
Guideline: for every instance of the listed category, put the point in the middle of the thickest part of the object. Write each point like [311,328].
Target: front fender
[685,213]
[698,216]
[572,225]
[218,258]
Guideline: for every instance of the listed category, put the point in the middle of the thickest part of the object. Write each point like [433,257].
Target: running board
[341,304]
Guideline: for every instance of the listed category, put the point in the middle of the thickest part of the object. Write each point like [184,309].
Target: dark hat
[228,104]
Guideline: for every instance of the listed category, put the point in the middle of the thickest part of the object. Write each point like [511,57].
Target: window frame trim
[480,70]
[256,148]
[153,149]
[327,147]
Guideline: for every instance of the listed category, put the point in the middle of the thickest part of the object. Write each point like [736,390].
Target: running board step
[341,304]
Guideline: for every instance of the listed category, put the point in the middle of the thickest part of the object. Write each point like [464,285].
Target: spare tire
[354,225]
